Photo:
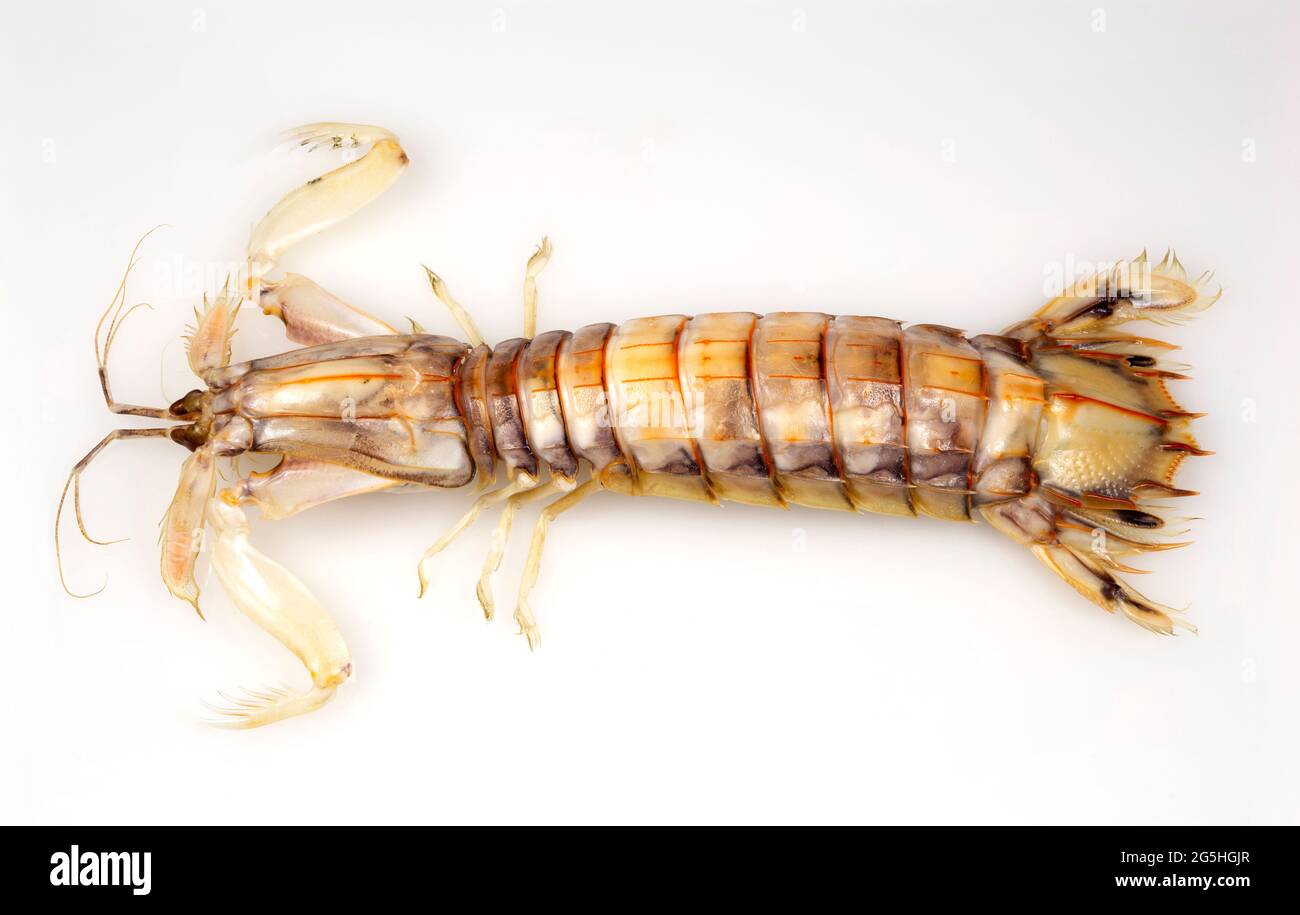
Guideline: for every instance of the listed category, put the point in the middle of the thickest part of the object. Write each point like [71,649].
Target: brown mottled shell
[719,402]
[539,399]
[504,411]
[471,398]
[382,405]
[864,379]
[580,369]
[944,389]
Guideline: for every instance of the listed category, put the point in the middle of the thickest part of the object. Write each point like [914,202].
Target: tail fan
[1112,437]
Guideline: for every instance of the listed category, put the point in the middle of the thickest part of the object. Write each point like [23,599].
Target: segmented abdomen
[851,413]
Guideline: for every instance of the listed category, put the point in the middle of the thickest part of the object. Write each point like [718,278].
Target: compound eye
[181,435]
[189,405]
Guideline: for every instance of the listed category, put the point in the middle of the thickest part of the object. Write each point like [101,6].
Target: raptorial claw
[281,605]
[326,200]
[264,707]
[335,135]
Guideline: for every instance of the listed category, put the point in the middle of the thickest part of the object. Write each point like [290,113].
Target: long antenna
[74,483]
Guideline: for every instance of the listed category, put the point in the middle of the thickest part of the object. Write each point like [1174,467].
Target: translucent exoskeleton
[1059,432]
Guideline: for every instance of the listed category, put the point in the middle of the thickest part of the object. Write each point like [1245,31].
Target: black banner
[298,863]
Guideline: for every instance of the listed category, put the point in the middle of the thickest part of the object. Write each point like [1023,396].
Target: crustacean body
[1059,431]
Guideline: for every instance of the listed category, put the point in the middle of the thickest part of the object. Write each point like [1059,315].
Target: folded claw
[254,708]
[278,602]
[324,201]
[333,135]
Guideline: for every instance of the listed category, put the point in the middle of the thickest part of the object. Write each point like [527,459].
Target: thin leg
[538,261]
[501,536]
[524,612]
[458,313]
[312,316]
[282,605]
[516,485]
[329,199]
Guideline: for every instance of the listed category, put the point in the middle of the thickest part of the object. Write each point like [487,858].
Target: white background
[942,162]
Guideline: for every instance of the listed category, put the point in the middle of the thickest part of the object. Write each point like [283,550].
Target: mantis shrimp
[1059,432]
